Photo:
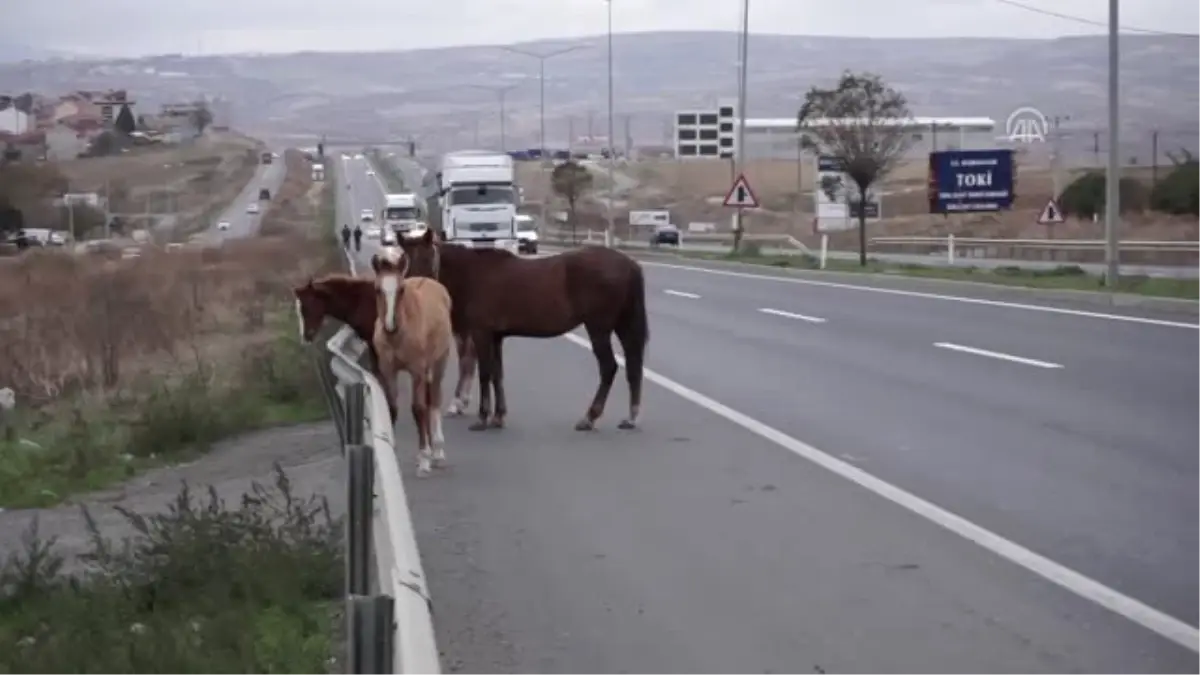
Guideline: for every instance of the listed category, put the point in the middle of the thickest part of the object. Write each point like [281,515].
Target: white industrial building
[712,134]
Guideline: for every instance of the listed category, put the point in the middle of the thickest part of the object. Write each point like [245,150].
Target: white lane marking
[682,294]
[996,355]
[1085,587]
[932,296]
[791,315]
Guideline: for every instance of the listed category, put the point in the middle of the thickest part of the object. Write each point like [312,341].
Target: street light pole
[1112,186]
[502,93]
[608,233]
[542,57]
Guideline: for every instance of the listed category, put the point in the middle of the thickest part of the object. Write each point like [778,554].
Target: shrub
[1178,193]
[1084,197]
[199,588]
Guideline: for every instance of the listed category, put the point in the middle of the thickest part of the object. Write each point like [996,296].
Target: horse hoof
[423,472]
[496,423]
[480,425]
[627,425]
[585,425]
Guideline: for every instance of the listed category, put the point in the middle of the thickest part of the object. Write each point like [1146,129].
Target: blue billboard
[964,181]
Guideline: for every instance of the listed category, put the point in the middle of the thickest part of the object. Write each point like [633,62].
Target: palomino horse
[498,294]
[345,298]
[413,334]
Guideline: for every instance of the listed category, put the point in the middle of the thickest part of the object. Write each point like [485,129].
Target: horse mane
[338,283]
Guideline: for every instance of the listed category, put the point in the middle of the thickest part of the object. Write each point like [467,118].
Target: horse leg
[498,383]
[387,380]
[466,375]
[420,413]
[634,346]
[486,359]
[607,363]
[438,440]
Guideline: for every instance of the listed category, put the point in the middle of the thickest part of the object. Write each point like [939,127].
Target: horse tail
[633,314]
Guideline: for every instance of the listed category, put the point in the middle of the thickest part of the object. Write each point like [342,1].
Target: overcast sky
[135,27]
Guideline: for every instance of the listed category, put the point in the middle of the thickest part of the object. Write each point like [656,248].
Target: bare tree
[865,126]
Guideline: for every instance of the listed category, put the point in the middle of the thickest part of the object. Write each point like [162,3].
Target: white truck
[402,213]
[318,171]
[478,199]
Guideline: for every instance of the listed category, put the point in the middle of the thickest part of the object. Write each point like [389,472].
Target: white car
[373,232]
[388,237]
[223,225]
[370,172]
[252,207]
[368,216]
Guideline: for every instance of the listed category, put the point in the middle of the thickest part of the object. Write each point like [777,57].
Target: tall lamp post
[608,232]
[542,57]
[739,153]
[1112,184]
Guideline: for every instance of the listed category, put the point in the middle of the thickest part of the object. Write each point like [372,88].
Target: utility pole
[542,58]
[1056,152]
[1154,158]
[608,233]
[740,151]
[107,211]
[502,93]
[1112,186]
[1096,148]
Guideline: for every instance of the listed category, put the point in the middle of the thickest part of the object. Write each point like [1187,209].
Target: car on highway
[264,194]
[387,237]
[370,172]
[252,207]
[373,232]
[367,216]
[223,225]
[527,234]
[665,234]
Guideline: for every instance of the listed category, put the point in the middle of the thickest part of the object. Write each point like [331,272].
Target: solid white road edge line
[1134,610]
[791,315]
[931,296]
[682,294]
[996,355]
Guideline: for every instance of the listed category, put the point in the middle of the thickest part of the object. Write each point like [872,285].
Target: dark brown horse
[497,294]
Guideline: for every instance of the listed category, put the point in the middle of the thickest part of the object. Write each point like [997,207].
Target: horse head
[390,269]
[424,255]
[311,308]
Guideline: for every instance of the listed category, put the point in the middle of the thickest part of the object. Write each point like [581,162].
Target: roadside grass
[204,587]
[1063,277]
[125,365]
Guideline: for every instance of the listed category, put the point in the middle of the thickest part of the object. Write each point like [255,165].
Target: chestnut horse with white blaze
[413,334]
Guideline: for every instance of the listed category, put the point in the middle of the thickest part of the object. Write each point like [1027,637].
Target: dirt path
[309,454]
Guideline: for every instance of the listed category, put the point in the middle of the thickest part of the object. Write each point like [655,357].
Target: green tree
[125,123]
[863,124]
[1178,193]
[1084,197]
[571,182]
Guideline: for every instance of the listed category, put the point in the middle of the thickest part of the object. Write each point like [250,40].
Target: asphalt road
[241,223]
[695,545]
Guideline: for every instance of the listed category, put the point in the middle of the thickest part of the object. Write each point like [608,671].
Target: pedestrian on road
[346,236]
[357,238]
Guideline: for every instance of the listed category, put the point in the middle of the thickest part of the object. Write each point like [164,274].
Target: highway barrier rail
[388,608]
[955,249]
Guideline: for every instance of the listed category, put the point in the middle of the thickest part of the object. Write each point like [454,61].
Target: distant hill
[433,93]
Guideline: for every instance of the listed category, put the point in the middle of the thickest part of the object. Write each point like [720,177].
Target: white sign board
[649,218]
[833,212]
[702,227]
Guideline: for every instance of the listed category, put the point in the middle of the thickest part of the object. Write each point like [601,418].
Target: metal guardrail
[388,608]
[954,245]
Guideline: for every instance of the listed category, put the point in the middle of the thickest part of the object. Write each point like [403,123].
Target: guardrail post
[824,249]
[355,410]
[950,249]
[371,634]
[360,507]
[329,384]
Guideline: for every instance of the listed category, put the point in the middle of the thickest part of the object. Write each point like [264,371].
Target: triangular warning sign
[1051,214]
[740,195]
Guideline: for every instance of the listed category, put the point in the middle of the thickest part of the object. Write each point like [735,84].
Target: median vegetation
[387,172]
[1063,277]
[120,365]
[206,587]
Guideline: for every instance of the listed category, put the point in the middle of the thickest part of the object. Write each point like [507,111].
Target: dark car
[665,234]
[264,194]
